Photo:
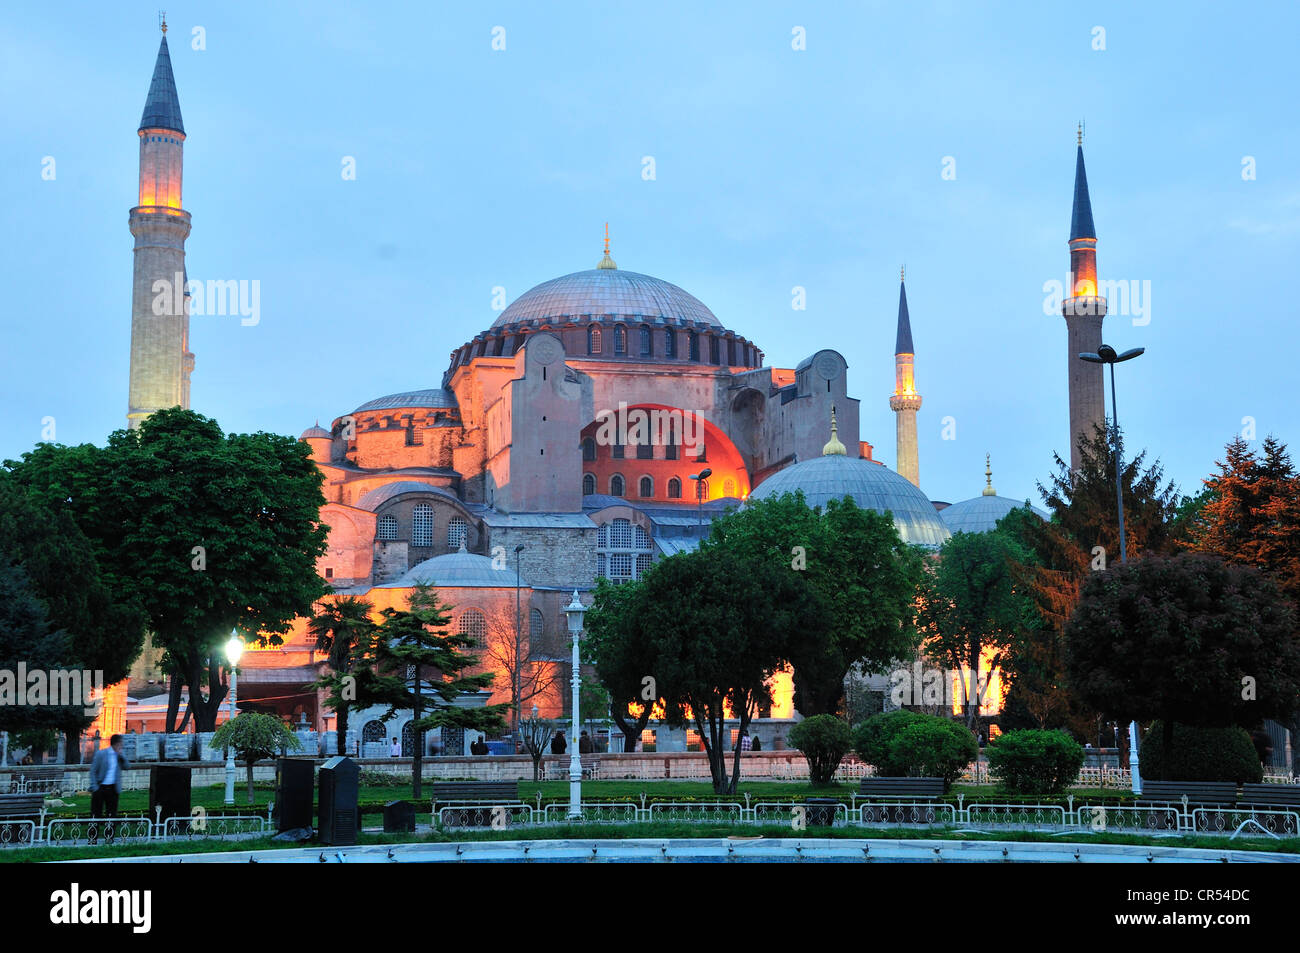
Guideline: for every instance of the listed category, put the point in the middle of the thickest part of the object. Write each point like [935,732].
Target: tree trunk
[173,702]
[341,739]
[249,765]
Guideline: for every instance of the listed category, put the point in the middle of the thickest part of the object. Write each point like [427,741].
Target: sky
[939,135]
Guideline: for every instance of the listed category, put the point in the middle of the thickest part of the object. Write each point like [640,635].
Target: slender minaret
[906,401]
[161,361]
[1084,311]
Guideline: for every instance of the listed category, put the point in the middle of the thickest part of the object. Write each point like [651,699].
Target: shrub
[1033,761]
[909,744]
[824,741]
[1201,754]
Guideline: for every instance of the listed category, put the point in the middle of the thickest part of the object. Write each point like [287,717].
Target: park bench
[15,806]
[559,770]
[445,791]
[912,789]
[1273,795]
[1196,792]
[38,779]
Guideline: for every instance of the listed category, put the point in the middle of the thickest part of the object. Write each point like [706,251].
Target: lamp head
[234,648]
[1130,354]
[706,473]
[1090,357]
[1106,353]
[575,610]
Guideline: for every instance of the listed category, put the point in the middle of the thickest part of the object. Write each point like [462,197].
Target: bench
[912,789]
[1280,795]
[1196,792]
[559,770]
[37,778]
[13,806]
[475,791]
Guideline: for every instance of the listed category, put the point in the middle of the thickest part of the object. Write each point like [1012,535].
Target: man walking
[106,778]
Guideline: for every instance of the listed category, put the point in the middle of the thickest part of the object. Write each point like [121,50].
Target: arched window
[536,630]
[670,342]
[694,341]
[593,340]
[457,533]
[588,484]
[620,341]
[623,551]
[408,740]
[646,342]
[373,732]
[701,489]
[647,488]
[674,489]
[616,485]
[589,449]
[473,626]
[422,525]
[387,528]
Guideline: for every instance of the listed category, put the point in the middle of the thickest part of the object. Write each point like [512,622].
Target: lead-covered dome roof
[459,570]
[607,291]
[870,485]
[981,514]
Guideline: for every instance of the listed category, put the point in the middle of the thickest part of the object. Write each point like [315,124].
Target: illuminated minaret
[160,326]
[906,401]
[1084,311]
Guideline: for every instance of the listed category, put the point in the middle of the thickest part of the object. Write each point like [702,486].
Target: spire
[1081,220]
[162,110]
[606,262]
[903,345]
[833,446]
[988,478]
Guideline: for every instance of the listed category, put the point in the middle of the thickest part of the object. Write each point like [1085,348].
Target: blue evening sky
[775,168]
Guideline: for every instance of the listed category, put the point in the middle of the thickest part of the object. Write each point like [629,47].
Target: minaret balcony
[899,402]
[1084,306]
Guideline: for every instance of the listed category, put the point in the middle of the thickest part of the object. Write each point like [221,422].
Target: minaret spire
[833,446]
[606,262]
[1083,310]
[988,478]
[905,401]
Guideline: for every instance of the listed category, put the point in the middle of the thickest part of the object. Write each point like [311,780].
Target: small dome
[871,486]
[459,570]
[434,397]
[315,433]
[981,514]
[606,290]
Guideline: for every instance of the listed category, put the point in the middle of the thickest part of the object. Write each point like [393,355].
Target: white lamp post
[234,648]
[575,610]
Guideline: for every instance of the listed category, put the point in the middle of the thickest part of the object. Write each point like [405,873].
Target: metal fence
[51,831]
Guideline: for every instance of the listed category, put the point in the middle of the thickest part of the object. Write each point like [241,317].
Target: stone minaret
[1084,311]
[906,401]
[160,325]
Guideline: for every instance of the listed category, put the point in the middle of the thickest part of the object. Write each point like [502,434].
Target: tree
[104,630]
[512,653]
[1188,639]
[1249,513]
[719,630]
[535,735]
[971,604]
[863,579]
[254,736]
[26,640]
[413,663]
[824,741]
[207,531]
[342,624]
[623,654]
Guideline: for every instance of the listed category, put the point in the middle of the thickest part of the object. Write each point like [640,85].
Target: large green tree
[1187,639]
[622,652]
[341,625]
[27,644]
[862,576]
[208,532]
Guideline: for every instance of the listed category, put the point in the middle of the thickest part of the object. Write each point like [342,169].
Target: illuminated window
[674,489]
[457,533]
[593,340]
[648,740]
[728,487]
[422,525]
[693,740]
[387,527]
[647,487]
[616,485]
[473,626]
[588,484]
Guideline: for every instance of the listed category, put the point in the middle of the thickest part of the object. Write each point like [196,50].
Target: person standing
[395,751]
[106,778]
[558,744]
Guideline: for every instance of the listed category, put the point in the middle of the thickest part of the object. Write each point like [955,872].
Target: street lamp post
[516,675]
[699,479]
[234,648]
[575,611]
[1106,355]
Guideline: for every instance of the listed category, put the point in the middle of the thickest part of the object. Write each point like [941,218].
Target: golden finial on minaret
[162,21]
[1080,132]
[833,446]
[902,272]
[606,262]
[988,478]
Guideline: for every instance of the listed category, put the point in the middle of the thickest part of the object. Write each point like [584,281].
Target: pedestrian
[396,750]
[584,744]
[758,744]
[558,745]
[106,778]
[746,742]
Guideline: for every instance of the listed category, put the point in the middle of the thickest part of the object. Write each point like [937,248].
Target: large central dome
[602,291]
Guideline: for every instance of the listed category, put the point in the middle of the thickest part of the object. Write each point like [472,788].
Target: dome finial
[833,446]
[1080,132]
[988,478]
[162,21]
[607,262]
[462,546]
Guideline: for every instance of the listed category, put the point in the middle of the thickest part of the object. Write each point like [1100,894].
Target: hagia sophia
[600,424]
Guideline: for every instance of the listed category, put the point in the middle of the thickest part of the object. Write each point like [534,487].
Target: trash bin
[399,817]
[820,811]
[337,802]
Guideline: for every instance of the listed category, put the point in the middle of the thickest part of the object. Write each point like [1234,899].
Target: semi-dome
[981,514]
[459,570]
[434,397]
[373,499]
[871,486]
[606,290]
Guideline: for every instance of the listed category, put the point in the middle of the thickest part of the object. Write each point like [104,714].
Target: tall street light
[517,677]
[1106,355]
[699,479]
[234,649]
[575,611]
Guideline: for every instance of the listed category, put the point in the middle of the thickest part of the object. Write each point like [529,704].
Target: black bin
[399,817]
[820,811]
[337,802]
[169,788]
[295,785]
